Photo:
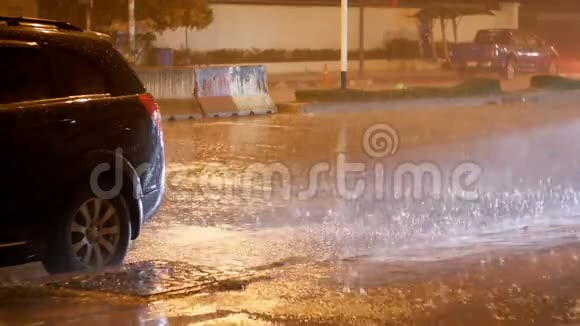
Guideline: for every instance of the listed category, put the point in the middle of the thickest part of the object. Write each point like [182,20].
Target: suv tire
[93,234]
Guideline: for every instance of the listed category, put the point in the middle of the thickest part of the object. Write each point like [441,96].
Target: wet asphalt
[310,219]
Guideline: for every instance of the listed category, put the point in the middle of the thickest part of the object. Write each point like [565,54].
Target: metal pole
[88,15]
[186,39]
[455,22]
[361,42]
[432,39]
[420,32]
[444,37]
[343,44]
[131,28]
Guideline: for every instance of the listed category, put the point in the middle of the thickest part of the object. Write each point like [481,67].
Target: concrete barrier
[174,90]
[170,83]
[233,91]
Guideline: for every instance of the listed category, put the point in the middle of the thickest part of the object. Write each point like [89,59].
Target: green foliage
[393,49]
[279,55]
[475,87]
[171,14]
[554,82]
[402,48]
[162,14]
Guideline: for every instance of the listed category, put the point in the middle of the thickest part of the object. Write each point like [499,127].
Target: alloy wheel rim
[95,233]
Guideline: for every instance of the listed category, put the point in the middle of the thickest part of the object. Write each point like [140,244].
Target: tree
[198,16]
[161,14]
[185,13]
[172,14]
[64,10]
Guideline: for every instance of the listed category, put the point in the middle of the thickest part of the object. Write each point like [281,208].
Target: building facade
[288,27]
[559,25]
[19,8]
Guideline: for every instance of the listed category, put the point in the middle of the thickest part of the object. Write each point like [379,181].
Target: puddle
[152,279]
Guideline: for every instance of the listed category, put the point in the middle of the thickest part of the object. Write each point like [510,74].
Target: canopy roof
[451,12]
[369,3]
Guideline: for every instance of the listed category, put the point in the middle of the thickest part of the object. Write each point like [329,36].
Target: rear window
[493,37]
[30,73]
[75,75]
[25,75]
[122,79]
[93,69]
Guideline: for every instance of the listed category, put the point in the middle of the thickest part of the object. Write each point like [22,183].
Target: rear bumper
[152,203]
[152,198]
[484,65]
[15,254]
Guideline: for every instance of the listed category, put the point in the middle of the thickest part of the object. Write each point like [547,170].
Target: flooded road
[464,216]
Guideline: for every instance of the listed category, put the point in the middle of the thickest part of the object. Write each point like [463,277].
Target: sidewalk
[283,86]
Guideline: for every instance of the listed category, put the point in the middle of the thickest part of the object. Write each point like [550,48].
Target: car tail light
[495,51]
[152,107]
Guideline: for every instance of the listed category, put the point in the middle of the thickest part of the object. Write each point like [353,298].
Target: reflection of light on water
[359,228]
[370,227]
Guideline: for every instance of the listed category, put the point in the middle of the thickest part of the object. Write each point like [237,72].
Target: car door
[534,53]
[47,100]
[546,57]
[25,83]
[519,51]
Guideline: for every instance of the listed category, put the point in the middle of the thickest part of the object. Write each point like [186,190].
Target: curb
[290,107]
[180,117]
[426,103]
[531,96]
[538,96]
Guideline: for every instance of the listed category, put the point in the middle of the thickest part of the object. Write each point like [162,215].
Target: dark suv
[83,164]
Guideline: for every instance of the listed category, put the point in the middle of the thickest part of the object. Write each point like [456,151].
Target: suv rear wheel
[95,233]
